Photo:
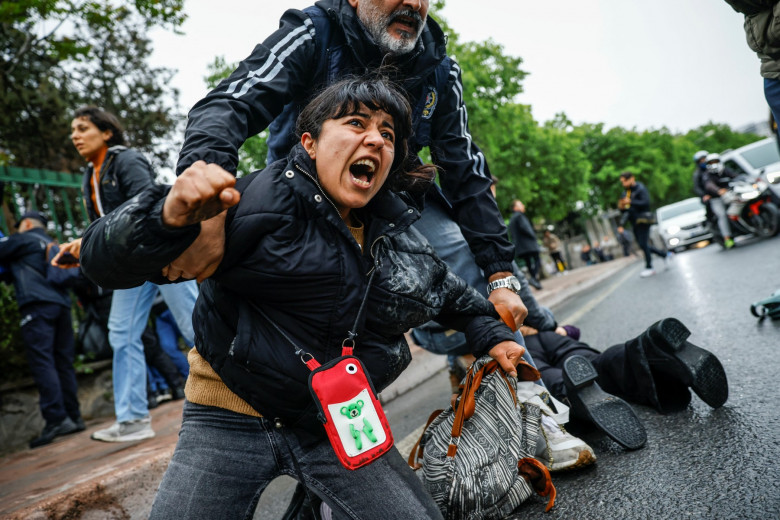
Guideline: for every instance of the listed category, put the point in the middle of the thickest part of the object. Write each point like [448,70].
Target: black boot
[625,371]
[609,413]
[50,431]
[669,353]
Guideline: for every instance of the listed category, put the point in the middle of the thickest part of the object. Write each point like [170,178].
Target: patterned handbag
[477,456]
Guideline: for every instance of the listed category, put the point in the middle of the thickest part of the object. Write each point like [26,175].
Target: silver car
[757,160]
[682,224]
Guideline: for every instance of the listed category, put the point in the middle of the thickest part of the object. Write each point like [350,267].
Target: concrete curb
[603,272]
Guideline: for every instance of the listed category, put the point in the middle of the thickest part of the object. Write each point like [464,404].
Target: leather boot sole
[611,414]
[696,367]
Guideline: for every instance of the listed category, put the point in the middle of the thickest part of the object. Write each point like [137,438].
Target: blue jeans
[772,95]
[168,335]
[224,460]
[126,322]
[446,238]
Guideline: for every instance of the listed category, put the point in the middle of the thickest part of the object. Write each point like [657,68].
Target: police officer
[46,327]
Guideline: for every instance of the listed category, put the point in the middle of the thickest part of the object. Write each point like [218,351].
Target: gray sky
[629,63]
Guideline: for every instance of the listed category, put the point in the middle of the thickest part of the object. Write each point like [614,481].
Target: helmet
[713,163]
[713,157]
[698,156]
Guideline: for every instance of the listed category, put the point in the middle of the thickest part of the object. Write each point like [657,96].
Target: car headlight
[674,241]
[673,229]
[773,177]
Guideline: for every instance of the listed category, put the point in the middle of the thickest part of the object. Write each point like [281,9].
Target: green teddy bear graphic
[352,411]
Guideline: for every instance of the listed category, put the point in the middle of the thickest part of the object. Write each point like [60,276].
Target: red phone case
[353,417]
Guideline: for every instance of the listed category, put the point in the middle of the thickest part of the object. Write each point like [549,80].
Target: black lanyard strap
[349,341]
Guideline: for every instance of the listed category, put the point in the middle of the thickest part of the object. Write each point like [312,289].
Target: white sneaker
[164,395]
[649,271]
[559,450]
[126,431]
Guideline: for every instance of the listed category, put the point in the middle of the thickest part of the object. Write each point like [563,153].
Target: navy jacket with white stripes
[287,68]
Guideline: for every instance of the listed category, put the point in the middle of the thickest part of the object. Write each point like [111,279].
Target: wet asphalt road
[699,463]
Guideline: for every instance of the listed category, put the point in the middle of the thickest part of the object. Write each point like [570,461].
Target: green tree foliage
[59,54]
[661,160]
[537,164]
[13,364]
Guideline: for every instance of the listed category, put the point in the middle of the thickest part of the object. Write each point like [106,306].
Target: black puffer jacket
[124,174]
[289,253]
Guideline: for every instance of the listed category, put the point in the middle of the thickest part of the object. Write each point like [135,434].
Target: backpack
[767,307]
[477,456]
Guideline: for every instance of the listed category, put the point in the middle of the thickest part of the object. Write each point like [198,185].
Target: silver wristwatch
[510,282]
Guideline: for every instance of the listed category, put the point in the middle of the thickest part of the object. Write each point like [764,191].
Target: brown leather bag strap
[417,452]
[538,476]
[506,316]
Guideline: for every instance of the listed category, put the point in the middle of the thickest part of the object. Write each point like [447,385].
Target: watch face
[514,284]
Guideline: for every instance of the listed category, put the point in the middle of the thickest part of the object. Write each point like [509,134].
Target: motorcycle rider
[715,181]
[700,160]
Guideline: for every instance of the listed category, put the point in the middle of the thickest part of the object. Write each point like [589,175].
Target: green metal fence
[56,194]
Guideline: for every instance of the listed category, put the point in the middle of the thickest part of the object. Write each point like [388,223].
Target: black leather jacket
[124,174]
[289,254]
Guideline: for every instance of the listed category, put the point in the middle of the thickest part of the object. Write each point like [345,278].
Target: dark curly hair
[104,121]
[376,93]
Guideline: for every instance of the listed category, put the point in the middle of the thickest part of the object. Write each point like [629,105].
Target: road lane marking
[591,304]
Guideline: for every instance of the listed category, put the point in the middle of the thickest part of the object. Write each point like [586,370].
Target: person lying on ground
[658,368]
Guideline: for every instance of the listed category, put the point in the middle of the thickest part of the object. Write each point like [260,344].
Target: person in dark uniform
[46,327]
[526,245]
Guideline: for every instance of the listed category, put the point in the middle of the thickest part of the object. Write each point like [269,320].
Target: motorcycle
[749,208]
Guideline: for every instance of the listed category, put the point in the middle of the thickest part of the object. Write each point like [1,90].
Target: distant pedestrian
[600,254]
[585,254]
[115,174]
[635,205]
[46,327]
[523,236]
[553,245]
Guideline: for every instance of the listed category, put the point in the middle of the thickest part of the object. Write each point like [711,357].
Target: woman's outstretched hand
[508,354]
[72,248]
[199,193]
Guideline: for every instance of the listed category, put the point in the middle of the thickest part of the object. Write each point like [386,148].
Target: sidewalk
[77,478]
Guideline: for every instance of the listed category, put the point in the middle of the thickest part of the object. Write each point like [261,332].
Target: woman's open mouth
[362,172]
